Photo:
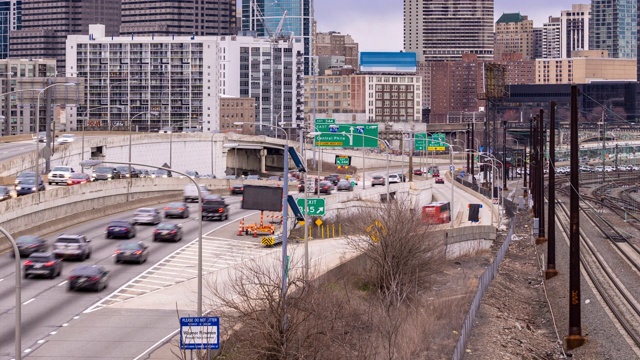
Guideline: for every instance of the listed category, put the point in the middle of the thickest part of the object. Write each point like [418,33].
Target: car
[28,186]
[147,216]
[334,178]
[168,231]
[66,139]
[215,207]
[88,277]
[230,177]
[586,168]
[344,185]
[176,209]
[60,175]
[166,130]
[161,173]
[274,178]
[42,264]
[145,173]
[191,193]
[236,189]
[192,174]
[78,178]
[106,173]
[435,173]
[121,229]
[29,244]
[377,180]
[124,172]
[131,251]
[563,170]
[394,179]
[41,137]
[402,177]
[418,172]
[253,177]
[439,180]
[5,193]
[24,175]
[69,246]
[325,187]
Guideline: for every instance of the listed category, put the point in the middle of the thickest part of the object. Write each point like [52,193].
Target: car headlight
[18,188]
[33,188]
[109,175]
[67,175]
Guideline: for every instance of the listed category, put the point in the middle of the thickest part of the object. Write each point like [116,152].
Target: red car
[439,180]
[418,172]
[78,178]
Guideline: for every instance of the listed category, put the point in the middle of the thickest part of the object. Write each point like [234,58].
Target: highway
[13,149]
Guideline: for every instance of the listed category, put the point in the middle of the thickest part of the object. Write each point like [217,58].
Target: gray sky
[377,25]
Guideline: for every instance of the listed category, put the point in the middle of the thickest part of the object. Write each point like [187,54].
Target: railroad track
[622,305]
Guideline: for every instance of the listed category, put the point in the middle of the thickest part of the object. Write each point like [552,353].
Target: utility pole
[551,245]
[541,233]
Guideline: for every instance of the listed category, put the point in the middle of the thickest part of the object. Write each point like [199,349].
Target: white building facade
[145,83]
[574,33]
[393,98]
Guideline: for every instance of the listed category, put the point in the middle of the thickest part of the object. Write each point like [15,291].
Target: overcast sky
[377,25]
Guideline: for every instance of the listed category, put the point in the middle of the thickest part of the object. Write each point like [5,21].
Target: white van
[191,192]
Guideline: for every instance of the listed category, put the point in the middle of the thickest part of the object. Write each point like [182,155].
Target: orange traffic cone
[240,227]
[255,232]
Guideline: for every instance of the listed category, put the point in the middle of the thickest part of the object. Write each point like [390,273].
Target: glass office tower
[613,27]
[10,19]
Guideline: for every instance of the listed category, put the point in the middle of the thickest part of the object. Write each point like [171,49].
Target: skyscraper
[46,24]
[614,27]
[574,29]
[178,17]
[10,19]
[267,15]
[443,30]
[514,35]
[551,38]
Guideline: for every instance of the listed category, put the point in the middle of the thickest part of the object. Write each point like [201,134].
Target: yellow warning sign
[318,222]
[268,240]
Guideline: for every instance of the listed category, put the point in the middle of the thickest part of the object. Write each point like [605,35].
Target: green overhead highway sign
[316,206]
[343,160]
[434,143]
[346,135]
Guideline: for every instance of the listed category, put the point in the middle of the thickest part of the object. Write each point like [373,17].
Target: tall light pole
[93,163]
[18,281]
[492,185]
[130,135]
[38,176]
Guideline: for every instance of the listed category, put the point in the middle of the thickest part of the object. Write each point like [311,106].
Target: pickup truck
[72,247]
[214,207]
[60,175]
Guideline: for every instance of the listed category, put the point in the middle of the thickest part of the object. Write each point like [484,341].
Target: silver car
[147,216]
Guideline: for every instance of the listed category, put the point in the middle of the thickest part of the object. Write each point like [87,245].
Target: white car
[147,216]
[60,175]
[66,139]
[394,178]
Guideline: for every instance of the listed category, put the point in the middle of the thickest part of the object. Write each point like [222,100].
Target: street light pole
[38,176]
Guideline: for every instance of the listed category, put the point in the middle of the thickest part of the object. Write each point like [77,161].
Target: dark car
[167,231]
[124,170]
[439,180]
[377,180]
[106,173]
[29,244]
[91,277]
[176,209]
[25,175]
[28,186]
[418,172]
[42,264]
[78,178]
[333,178]
[325,187]
[5,193]
[132,251]
[121,229]
[236,189]
[214,207]
[344,185]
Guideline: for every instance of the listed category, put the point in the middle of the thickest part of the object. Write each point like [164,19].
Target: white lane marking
[62,283]
[28,301]
[2,279]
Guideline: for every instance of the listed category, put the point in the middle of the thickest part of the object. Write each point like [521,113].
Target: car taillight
[33,246]
[118,251]
[167,208]
[28,262]
[49,263]
[73,277]
[172,232]
[220,210]
[156,231]
[241,188]
[230,189]
[137,252]
[94,278]
[126,229]
[181,209]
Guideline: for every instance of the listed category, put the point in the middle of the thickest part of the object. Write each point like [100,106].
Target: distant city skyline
[377,25]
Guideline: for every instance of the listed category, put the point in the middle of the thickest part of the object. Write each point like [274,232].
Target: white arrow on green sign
[316,206]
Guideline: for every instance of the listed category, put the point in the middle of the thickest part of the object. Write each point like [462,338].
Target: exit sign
[343,160]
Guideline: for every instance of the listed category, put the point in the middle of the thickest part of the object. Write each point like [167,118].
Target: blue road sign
[199,333]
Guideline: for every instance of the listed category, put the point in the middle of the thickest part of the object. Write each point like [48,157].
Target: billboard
[264,198]
[400,62]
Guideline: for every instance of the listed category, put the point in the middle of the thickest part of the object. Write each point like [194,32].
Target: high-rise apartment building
[538,33]
[574,33]
[613,27]
[297,22]
[178,17]
[551,38]
[586,67]
[10,19]
[333,43]
[514,35]
[441,30]
[46,24]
